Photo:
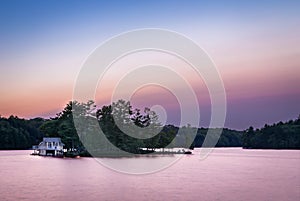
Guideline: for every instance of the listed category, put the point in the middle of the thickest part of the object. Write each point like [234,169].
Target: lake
[226,174]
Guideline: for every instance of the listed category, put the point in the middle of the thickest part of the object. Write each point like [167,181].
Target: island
[18,133]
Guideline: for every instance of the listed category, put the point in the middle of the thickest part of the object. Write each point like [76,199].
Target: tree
[247,137]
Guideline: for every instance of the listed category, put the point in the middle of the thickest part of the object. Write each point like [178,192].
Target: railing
[50,148]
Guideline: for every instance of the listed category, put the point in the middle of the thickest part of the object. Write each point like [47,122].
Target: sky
[254,45]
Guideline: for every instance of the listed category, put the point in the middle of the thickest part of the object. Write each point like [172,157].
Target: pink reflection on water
[227,174]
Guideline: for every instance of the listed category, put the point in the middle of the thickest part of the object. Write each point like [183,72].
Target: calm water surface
[226,174]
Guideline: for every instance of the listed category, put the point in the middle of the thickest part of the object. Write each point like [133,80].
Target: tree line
[120,119]
[16,133]
[277,136]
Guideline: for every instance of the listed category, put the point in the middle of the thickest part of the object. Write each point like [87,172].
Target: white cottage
[50,146]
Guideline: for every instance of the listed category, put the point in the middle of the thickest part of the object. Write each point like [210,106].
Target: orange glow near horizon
[241,80]
[37,103]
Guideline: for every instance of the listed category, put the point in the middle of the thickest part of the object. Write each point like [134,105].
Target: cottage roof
[51,139]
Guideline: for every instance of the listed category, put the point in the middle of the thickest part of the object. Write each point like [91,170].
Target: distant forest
[277,136]
[17,133]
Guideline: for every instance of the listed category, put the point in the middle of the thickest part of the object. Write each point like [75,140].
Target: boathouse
[50,146]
